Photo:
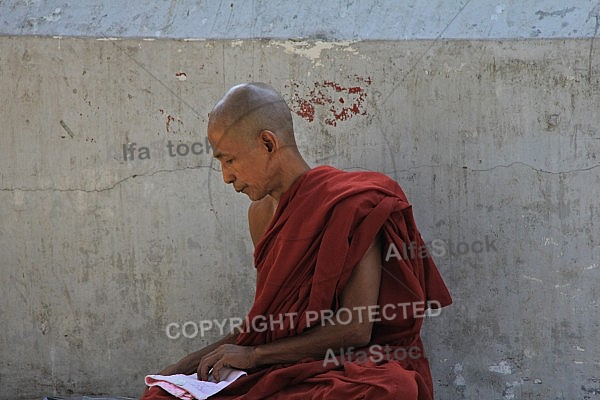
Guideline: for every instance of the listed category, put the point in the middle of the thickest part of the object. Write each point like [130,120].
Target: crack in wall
[569,171]
[540,170]
[111,187]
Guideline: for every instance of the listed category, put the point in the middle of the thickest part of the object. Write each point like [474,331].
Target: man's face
[244,163]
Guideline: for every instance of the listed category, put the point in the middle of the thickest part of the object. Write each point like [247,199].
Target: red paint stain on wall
[341,102]
[306,110]
[170,120]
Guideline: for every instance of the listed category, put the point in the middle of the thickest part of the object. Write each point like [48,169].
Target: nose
[228,177]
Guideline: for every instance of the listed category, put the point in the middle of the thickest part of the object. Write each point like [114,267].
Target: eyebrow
[218,155]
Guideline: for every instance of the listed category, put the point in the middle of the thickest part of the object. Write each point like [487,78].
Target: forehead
[224,143]
[218,143]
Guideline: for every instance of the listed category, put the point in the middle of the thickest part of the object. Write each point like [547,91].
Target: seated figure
[343,276]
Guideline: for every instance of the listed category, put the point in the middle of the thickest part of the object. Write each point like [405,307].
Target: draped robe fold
[323,226]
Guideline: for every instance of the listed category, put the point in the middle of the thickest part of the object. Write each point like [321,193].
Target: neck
[291,170]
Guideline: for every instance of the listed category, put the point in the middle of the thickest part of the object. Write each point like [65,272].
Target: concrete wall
[309,19]
[493,141]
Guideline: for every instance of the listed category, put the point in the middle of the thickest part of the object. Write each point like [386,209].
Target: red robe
[323,225]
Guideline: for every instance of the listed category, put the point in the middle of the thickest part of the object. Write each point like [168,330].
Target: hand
[227,355]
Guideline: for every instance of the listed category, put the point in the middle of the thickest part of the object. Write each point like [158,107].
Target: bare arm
[361,292]
[259,216]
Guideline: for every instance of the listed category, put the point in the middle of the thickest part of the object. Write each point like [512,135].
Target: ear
[268,139]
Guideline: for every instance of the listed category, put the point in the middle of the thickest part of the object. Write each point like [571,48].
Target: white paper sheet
[189,387]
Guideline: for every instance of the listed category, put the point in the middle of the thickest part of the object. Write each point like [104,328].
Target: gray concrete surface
[493,141]
[309,19]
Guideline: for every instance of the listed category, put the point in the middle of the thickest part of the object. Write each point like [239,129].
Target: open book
[188,387]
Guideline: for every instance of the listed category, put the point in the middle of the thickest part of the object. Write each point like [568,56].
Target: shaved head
[251,132]
[248,108]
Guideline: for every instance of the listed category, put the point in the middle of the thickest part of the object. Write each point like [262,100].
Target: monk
[343,276]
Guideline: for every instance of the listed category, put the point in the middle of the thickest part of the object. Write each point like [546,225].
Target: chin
[254,197]
[250,195]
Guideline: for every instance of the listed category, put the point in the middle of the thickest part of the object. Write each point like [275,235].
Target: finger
[217,370]
[204,367]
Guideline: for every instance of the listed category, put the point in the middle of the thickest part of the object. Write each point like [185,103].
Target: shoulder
[260,213]
[355,185]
